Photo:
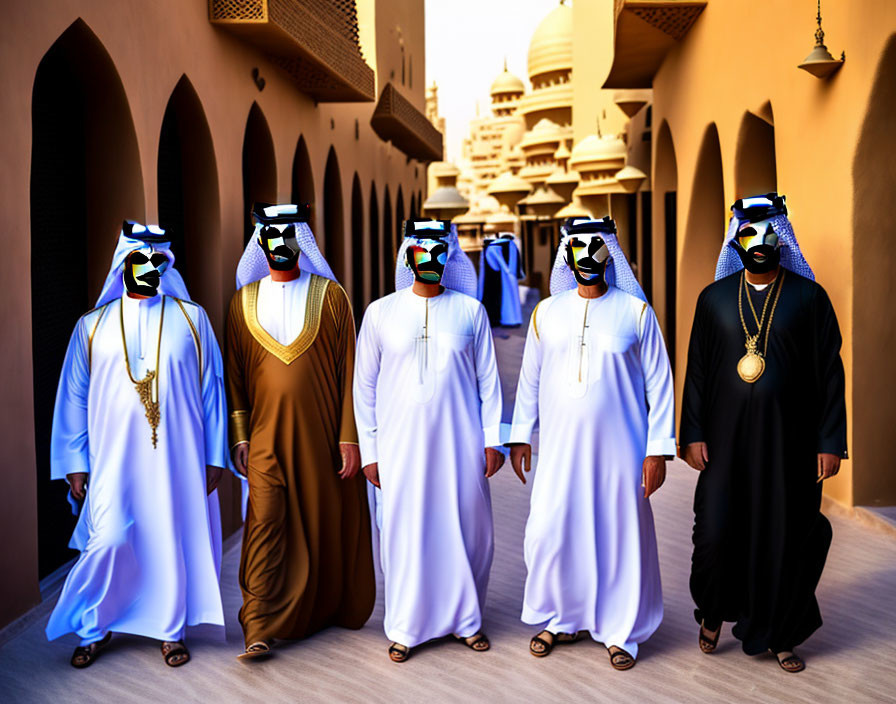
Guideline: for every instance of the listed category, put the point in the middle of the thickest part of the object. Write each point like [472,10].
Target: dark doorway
[259,167]
[81,190]
[376,257]
[334,226]
[388,252]
[399,218]
[670,204]
[302,176]
[188,194]
[646,259]
[357,248]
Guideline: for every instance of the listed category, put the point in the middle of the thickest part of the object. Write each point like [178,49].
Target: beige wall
[709,83]
[173,38]
[592,51]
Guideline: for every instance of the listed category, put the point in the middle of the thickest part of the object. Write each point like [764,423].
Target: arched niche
[388,250]
[302,176]
[375,261]
[334,225]
[413,211]
[358,243]
[85,179]
[660,257]
[755,165]
[259,166]
[872,291]
[704,234]
[399,217]
[189,206]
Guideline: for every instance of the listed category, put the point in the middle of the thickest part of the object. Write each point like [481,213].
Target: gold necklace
[752,365]
[144,385]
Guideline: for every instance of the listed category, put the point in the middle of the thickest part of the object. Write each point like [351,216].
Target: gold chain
[144,386]
[753,340]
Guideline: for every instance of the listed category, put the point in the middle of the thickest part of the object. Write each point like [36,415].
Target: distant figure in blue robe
[500,270]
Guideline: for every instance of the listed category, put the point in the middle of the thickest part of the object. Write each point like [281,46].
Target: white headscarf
[253,264]
[618,272]
[459,275]
[170,284]
[792,258]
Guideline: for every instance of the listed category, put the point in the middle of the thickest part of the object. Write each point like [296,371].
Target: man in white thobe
[139,433]
[428,409]
[596,375]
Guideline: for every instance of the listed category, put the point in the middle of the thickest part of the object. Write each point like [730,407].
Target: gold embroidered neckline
[291,352]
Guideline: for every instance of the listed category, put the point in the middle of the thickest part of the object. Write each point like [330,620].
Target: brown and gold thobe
[306,560]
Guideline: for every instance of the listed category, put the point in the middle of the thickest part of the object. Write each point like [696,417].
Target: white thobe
[427,403]
[150,538]
[596,375]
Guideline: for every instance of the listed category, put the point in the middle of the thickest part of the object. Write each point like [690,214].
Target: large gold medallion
[750,367]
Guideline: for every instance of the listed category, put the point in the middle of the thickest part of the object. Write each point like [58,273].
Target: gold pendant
[751,365]
[153,414]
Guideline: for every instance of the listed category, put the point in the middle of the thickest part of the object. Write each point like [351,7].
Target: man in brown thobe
[306,559]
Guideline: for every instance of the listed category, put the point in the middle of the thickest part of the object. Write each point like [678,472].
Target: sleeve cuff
[239,428]
[492,435]
[367,446]
[663,446]
[520,434]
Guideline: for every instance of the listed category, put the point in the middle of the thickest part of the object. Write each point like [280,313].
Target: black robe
[760,540]
[492,287]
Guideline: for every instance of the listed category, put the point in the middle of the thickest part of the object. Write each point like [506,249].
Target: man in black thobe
[764,421]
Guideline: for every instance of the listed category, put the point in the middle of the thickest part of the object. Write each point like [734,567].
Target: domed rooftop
[550,48]
[507,83]
[594,148]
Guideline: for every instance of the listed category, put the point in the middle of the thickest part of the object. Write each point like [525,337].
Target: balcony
[645,32]
[314,41]
[396,120]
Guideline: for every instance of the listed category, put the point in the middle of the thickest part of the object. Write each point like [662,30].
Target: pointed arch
[705,231]
[302,190]
[399,217]
[660,264]
[375,246]
[334,223]
[189,206]
[873,262]
[755,163]
[85,179]
[388,250]
[357,246]
[259,166]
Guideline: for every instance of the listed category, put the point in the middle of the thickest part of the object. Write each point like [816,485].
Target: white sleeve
[214,398]
[69,444]
[525,409]
[489,382]
[367,371]
[658,384]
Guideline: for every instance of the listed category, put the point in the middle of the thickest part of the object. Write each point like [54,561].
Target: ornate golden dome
[550,48]
[506,83]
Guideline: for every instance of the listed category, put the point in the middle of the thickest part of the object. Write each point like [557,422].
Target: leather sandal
[791,662]
[477,641]
[258,649]
[175,653]
[399,652]
[707,644]
[85,655]
[620,659]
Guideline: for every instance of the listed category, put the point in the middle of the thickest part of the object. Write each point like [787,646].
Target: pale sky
[466,42]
